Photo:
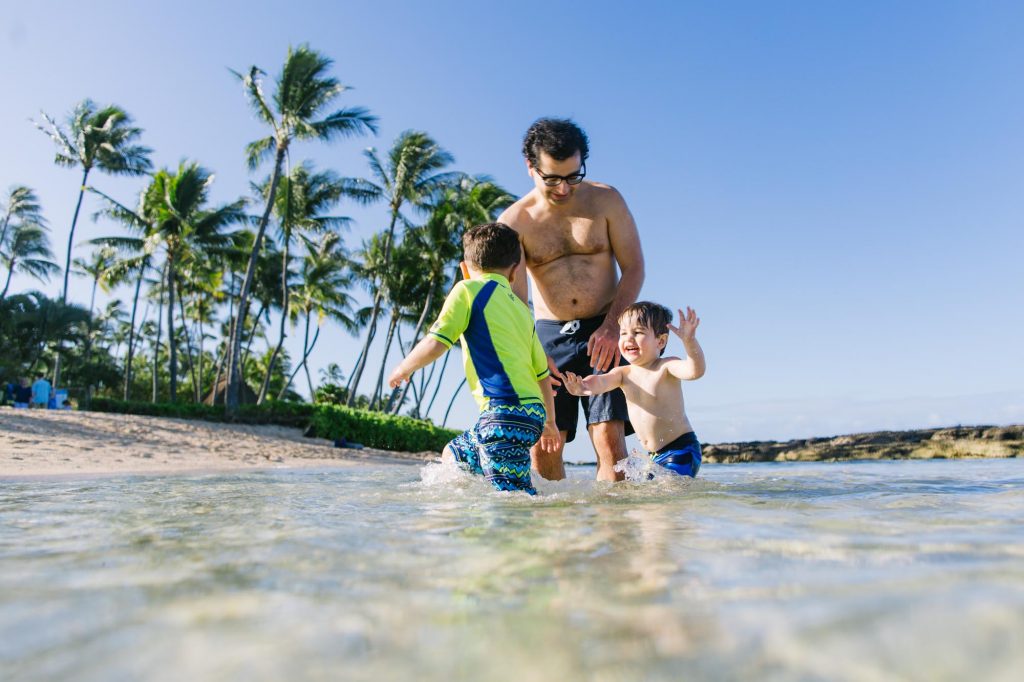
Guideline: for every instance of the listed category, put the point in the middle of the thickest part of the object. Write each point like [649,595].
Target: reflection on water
[859,571]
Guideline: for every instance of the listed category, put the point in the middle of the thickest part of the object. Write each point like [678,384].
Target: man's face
[546,166]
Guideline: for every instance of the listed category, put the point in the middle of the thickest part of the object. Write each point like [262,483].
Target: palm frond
[344,123]
[253,84]
[259,151]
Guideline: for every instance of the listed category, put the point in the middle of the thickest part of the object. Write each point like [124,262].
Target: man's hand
[550,439]
[603,346]
[688,324]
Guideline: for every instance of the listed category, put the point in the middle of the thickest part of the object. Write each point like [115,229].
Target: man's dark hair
[647,314]
[560,138]
[494,246]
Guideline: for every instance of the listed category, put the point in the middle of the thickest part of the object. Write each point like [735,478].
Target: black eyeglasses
[556,180]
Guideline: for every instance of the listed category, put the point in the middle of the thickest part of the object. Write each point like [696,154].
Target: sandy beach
[51,442]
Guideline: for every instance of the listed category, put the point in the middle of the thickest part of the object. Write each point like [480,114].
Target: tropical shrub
[334,422]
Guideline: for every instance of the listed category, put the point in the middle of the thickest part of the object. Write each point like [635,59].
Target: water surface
[854,571]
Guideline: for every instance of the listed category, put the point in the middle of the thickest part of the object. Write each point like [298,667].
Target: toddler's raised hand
[688,324]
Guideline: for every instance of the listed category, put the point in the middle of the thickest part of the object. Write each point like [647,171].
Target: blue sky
[835,187]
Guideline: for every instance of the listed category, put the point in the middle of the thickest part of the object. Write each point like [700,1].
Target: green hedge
[377,430]
[372,429]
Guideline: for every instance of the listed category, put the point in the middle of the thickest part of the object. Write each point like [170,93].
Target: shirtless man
[574,233]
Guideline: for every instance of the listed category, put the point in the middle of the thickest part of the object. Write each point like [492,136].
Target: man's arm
[625,244]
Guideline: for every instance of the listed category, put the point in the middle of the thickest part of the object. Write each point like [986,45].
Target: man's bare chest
[549,240]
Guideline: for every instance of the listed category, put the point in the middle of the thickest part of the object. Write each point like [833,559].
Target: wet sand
[60,443]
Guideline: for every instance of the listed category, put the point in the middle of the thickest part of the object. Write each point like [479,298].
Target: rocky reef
[946,443]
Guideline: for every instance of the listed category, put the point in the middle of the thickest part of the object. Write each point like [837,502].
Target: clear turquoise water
[857,571]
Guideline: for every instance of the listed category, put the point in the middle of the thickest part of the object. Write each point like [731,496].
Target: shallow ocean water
[813,571]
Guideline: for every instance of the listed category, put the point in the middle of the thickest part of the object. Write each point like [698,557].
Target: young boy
[651,383]
[506,368]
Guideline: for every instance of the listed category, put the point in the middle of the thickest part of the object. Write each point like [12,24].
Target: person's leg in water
[549,464]
[609,439]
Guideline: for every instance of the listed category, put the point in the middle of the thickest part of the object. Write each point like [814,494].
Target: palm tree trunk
[71,236]
[437,386]
[221,361]
[131,334]
[284,320]
[415,339]
[172,344]
[188,348]
[452,401]
[252,337]
[421,391]
[202,339]
[234,366]
[88,338]
[7,221]
[67,270]
[10,271]
[357,373]
[377,402]
[306,352]
[159,322]
[371,331]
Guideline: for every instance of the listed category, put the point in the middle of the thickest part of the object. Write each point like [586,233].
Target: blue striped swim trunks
[498,445]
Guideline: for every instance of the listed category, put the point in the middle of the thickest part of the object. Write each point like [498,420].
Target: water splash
[443,472]
[637,467]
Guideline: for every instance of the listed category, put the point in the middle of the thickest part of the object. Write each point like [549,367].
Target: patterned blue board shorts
[681,455]
[498,445]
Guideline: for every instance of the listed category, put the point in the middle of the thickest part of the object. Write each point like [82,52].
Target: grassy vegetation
[372,429]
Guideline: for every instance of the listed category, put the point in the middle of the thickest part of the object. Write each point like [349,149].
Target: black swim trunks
[566,344]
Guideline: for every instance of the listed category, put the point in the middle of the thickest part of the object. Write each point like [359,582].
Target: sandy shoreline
[36,443]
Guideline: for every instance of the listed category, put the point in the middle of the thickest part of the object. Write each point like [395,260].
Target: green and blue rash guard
[500,351]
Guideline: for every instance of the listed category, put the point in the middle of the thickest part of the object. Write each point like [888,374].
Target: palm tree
[405,288]
[22,206]
[40,323]
[28,252]
[173,215]
[95,138]
[302,198]
[303,91]
[324,277]
[411,173]
[98,268]
[186,228]
[136,257]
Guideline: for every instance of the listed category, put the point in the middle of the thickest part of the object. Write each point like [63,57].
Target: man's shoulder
[521,213]
[604,196]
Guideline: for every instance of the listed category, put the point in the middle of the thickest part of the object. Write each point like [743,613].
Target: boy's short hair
[647,314]
[494,246]
[559,138]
